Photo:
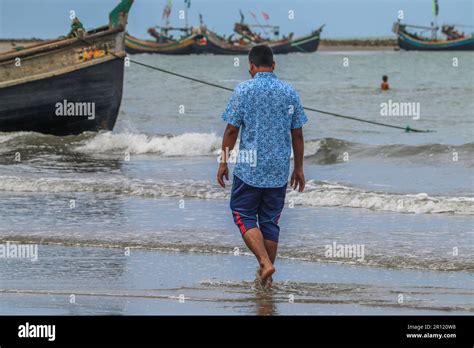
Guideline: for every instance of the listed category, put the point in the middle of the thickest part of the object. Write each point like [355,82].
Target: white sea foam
[320,194]
[187,144]
[332,195]
[4,137]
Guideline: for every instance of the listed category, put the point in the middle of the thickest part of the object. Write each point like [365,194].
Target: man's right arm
[233,115]
[228,142]
[297,178]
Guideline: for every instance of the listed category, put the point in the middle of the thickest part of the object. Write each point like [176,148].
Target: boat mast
[434,25]
[187,5]
[166,17]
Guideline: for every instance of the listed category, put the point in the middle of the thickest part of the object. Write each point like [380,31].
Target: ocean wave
[323,194]
[187,144]
[318,194]
[320,151]
[315,254]
[119,186]
[332,150]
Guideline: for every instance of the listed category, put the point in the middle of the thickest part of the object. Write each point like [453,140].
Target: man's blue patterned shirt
[266,109]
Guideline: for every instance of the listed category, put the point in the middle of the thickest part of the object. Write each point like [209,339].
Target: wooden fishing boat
[215,44]
[68,85]
[200,40]
[185,45]
[212,43]
[453,40]
[159,37]
[413,42]
[305,44]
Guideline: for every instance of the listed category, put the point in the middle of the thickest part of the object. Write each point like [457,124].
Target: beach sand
[105,281]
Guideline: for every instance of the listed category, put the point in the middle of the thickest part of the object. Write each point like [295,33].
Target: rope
[406,129]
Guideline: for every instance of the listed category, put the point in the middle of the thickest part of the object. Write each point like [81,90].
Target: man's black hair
[385,78]
[261,55]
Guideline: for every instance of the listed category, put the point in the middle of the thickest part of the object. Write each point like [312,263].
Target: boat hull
[68,85]
[210,43]
[410,43]
[32,106]
[216,46]
[305,45]
[134,45]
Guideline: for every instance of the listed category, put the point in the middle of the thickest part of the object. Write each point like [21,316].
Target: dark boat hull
[408,44]
[210,43]
[214,45]
[31,106]
[306,45]
[68,85]
[411,42]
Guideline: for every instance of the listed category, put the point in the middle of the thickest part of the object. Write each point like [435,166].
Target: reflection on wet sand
[265,303]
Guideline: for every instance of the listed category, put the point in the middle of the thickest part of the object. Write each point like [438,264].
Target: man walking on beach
[271,117]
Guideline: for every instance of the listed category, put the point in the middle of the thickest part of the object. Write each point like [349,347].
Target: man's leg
[271,248]
[269,211]
[255,242]
[244,203]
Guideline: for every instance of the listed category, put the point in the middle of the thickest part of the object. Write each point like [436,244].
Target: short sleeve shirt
[265,109]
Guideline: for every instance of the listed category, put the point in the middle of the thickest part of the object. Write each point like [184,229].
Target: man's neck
[264,70]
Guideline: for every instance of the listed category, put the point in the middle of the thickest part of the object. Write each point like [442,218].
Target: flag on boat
[265,16]
[167,9]
[435,8]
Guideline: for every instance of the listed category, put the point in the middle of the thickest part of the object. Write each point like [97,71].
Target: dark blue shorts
[257,207]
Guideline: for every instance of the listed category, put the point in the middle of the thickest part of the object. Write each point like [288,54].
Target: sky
[343,18]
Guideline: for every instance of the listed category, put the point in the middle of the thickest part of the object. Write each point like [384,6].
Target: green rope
[406,129]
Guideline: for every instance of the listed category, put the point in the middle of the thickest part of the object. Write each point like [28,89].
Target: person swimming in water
[384,86]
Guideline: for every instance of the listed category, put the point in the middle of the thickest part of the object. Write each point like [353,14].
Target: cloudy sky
[343,18]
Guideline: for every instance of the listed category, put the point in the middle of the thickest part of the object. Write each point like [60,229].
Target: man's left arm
[297,178]
[299,118]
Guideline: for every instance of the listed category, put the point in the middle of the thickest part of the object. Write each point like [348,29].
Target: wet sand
[105,281]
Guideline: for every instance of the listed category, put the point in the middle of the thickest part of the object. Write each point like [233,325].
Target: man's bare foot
[266,272]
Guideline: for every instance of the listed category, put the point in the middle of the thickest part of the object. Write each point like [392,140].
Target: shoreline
[109,282]
[326,45]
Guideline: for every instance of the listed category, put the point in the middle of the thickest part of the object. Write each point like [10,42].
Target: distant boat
[68,85]
[201,40]
[453,41]
[412,42]
[305,44]
[184,45]
[215,44]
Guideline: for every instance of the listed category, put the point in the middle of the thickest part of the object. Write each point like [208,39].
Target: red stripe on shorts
[239,223]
